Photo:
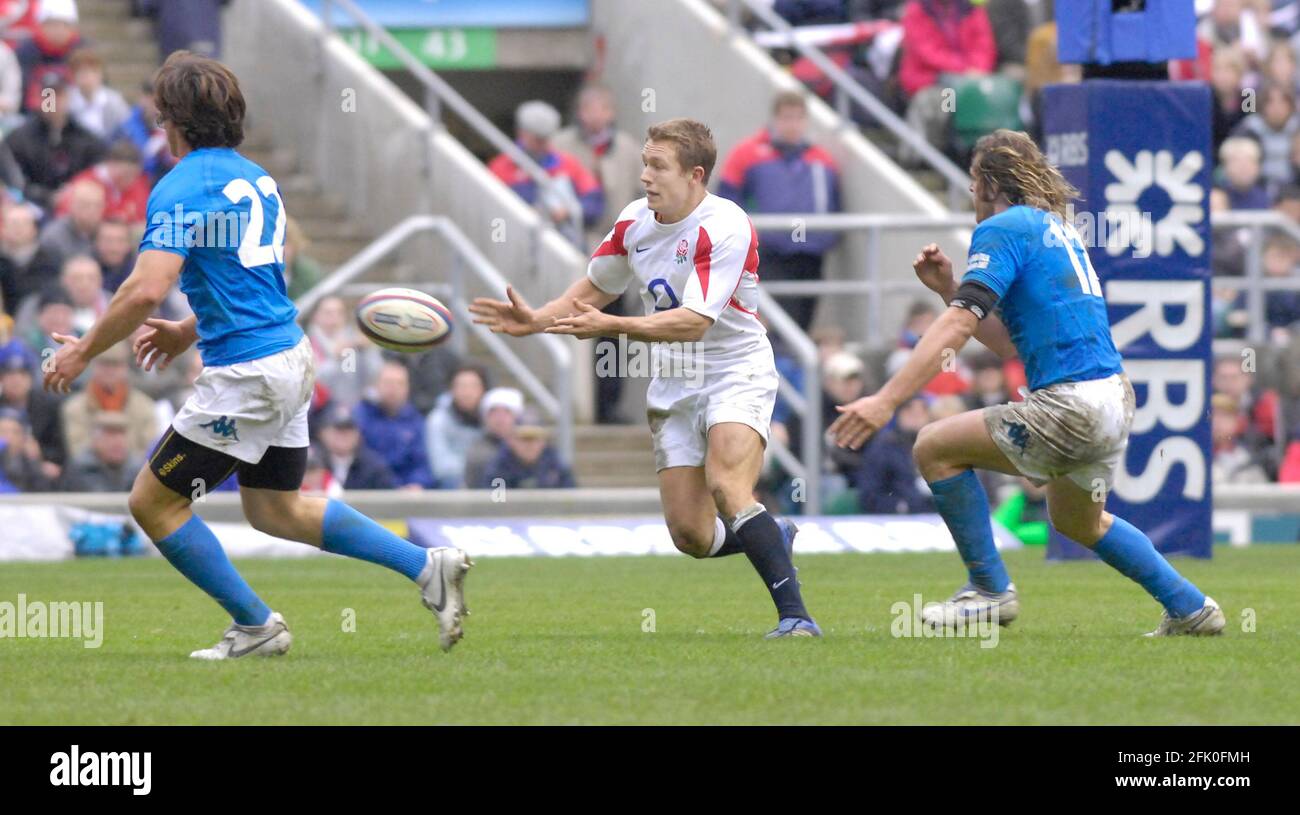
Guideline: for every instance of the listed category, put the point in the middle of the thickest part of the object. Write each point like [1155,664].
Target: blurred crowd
[77,163]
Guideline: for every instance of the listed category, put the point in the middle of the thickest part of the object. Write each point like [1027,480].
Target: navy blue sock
[348,532]
[962,502]
[197,554]
[1125,548]
[764,545]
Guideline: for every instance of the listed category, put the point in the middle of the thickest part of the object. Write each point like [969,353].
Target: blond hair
[693,142]
[1008,162]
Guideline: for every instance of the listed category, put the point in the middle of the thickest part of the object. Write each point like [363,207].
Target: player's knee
[139,506]
[926,452]
[689,541]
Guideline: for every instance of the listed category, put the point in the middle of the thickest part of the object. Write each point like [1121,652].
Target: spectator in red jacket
[1289,470]
[121,176]
[779,170]
[17,19]
[941,37]
[577,191]
[49,48]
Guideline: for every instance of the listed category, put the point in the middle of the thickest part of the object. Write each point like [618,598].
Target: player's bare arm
[861,419]
[934,269]
[139,296]
[671,325]
[515,317]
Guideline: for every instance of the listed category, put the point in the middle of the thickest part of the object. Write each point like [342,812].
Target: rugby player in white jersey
[693,256]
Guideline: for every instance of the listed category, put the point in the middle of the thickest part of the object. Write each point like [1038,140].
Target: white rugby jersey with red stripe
[706,262]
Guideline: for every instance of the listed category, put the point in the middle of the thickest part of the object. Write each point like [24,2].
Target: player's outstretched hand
[859,421]
[586,323]
[934,269]
[512,316]
[62,369]
[161,343]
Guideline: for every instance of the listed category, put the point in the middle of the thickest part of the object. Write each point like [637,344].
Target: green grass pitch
[562,641]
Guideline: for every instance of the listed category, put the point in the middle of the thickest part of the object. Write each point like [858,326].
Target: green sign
[442,48]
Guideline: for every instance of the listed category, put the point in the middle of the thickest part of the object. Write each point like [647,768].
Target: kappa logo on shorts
[1018,434]
[223,427]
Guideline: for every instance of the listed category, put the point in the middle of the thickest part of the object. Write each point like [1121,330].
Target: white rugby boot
[270,639]
[972,605]
[1205,622]
[442,590]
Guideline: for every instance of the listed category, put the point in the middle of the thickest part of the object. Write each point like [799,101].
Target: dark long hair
[202,98]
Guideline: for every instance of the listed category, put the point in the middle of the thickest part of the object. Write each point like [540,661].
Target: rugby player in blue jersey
[216,223]
[1029,290]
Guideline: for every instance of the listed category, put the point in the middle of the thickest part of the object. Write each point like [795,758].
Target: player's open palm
[859,421]
[161,342]
[512,316]
[934,269]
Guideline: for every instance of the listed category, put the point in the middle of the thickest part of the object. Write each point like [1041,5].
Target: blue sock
[196,553]
[965,508]
[1125,548]
[348,532]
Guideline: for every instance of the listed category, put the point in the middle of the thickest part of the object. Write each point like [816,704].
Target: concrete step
[279,162]
[619,481]
[115,29]
[612,462]
[326,228]
[122,54]
[303,202]
[332,252]
[101,10]
[631,440]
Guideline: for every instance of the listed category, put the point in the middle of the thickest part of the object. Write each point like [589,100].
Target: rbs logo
[1161,377]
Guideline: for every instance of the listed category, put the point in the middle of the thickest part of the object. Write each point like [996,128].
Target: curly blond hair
[1008,162]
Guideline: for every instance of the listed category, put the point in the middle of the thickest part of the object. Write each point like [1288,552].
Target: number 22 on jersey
[252,252]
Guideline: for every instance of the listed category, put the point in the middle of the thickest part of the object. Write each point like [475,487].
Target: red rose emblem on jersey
[683,246]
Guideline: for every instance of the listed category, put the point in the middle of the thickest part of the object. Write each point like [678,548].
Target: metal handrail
[872,287]
[845,85]
[557,402]
[437,92]
[808,405]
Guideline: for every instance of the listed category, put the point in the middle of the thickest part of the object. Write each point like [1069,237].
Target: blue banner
[1092,31]
[1139,153]
[467,13]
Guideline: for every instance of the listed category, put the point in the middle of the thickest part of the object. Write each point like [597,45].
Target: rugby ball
[403,320]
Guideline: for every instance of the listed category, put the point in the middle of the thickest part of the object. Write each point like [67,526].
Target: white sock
[719,536]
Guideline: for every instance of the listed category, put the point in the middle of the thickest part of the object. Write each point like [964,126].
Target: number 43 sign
[434,47]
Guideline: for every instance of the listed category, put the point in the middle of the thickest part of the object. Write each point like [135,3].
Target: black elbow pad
[975,297]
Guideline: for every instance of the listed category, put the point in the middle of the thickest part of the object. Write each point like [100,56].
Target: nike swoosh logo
[641,249]
[442,589]
[776,586]
[236,654]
